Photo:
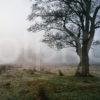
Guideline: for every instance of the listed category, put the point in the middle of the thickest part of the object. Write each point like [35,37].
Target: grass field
[33,85]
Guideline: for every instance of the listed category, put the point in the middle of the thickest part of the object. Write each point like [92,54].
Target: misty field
[29,84]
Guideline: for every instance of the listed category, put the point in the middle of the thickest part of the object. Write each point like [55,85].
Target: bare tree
[68,23]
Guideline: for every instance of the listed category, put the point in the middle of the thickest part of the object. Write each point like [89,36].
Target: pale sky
[13,28]
[14,35]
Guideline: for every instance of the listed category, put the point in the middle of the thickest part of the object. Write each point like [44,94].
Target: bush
[5,68]
[42,94]
[60,73]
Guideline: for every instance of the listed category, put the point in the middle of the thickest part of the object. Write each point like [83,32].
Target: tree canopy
[64,21]
[67,22]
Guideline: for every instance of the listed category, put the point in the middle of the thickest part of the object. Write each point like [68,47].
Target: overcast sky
[13,28]
[14,35]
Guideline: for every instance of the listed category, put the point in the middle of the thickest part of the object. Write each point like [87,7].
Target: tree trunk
[85,60]
[83,66]
[79,67]
[79,53]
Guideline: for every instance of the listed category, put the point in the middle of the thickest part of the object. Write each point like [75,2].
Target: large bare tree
[68,23]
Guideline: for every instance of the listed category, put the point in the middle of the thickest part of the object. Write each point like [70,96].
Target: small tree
[68,23]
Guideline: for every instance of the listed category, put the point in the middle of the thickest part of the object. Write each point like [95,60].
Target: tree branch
[96,12]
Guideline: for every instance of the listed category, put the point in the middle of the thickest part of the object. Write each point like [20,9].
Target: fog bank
[17,45]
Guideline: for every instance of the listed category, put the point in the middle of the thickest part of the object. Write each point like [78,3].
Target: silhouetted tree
[68,23]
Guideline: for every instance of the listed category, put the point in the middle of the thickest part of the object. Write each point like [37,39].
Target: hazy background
[20,46]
